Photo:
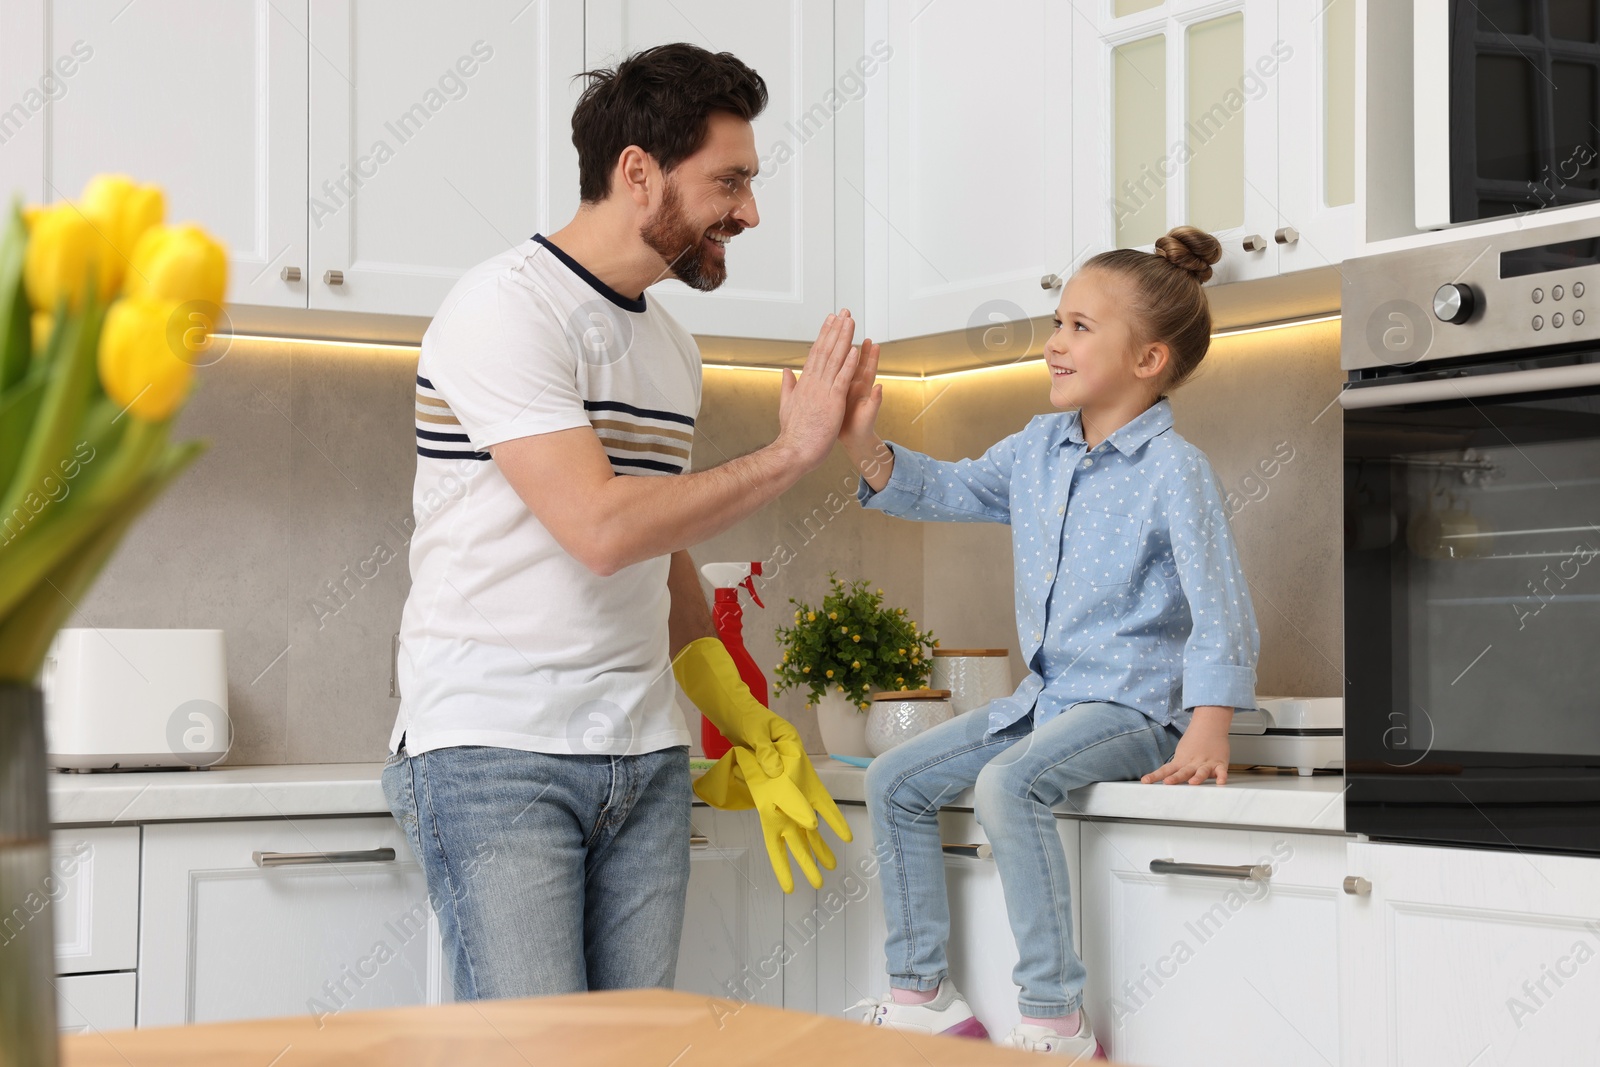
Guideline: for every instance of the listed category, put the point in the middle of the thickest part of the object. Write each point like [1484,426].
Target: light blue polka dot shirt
[1128,585]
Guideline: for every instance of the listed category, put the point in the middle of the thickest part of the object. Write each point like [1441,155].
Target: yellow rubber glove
[708,674]
[736,783]
[798,769]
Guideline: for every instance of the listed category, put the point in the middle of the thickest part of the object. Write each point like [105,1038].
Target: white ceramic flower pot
[843,725]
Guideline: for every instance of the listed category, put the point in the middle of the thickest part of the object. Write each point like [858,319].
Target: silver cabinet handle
[1245,872]
[307,859]
[699,841]
[1050,281]
[333,277]
[290,274]
[1357,886]
[1255,243]
[1286,235]
[970,851]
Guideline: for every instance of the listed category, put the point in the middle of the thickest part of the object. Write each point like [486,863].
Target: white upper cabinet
[780,273]
[967,189]
[211,108]
[440,135]
[1176,108]
[1316,94]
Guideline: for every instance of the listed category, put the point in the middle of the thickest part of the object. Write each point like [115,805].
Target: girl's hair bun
[1190,248]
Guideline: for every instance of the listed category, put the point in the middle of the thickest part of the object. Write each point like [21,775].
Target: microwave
[1471,417]
[1507,107]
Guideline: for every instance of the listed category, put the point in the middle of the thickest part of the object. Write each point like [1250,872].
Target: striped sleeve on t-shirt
[439,432]
[640,440]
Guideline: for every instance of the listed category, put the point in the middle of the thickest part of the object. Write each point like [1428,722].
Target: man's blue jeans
[549,873]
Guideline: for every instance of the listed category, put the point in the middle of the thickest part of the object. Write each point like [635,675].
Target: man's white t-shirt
[507,640]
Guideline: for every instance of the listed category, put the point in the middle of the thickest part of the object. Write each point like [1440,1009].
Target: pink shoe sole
[969,1027]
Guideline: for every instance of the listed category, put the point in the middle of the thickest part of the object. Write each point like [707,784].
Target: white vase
[843,725]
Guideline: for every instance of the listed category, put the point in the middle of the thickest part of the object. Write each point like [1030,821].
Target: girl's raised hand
[864,399]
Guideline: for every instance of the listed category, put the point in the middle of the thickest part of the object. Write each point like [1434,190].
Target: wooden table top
[653,1028]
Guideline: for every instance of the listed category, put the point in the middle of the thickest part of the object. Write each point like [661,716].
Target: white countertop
[220,793]
[1249,799]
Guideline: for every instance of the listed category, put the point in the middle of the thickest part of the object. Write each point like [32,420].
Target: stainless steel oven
[1472,540]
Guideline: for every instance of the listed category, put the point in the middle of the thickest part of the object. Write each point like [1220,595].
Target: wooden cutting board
[637,1028]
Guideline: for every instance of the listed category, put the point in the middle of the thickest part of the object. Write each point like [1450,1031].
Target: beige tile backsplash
[290,533]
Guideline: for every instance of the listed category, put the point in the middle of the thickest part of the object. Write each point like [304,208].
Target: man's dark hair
[661,100]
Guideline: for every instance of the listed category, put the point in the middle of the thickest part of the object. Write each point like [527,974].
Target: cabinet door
[1463,956]
[1247,964]
[97,913]
[968,185]
[1176,123]
[850,960]
[211,108]
[440,136]
[780,274]
[223,937]
[95,1002]
[733,932]
[1317,131]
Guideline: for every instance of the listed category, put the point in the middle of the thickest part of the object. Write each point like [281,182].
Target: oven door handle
[1517,381]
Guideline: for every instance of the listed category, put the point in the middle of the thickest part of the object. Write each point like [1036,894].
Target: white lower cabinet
[1197,967]
[227,933]
[96,911]
[1470,956]
[90,1003]
[733,927]
[982,951]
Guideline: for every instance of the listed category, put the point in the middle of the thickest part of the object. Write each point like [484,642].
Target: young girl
[1132,612]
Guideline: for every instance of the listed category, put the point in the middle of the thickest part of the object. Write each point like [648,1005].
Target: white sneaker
[947,1013]
[1079,1047]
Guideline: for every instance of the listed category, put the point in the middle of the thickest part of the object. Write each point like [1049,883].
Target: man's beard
[676,239]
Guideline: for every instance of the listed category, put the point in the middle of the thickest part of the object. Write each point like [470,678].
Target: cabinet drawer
[97,914]
[224,937]
[1236,940]
[95,1002]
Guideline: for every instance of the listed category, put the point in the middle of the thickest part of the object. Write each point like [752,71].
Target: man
[539,761]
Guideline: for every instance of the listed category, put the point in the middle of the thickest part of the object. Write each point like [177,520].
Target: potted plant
[104,314]
[845,649]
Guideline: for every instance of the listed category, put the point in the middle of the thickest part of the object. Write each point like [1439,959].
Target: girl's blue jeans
[1020,773]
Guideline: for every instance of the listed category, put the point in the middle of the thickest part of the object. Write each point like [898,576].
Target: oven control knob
[1454,302]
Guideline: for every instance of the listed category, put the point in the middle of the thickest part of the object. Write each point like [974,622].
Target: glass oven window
[1472,536]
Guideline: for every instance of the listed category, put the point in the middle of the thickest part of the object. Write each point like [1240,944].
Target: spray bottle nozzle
[733,576]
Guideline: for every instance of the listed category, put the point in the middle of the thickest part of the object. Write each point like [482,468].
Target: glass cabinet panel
[1133,7]
[1215,123]
[1139,86]
[1339,102]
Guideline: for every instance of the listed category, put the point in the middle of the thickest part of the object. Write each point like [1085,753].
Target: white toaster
[130,699]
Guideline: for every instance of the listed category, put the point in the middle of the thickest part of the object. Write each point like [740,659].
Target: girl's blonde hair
[1168,304]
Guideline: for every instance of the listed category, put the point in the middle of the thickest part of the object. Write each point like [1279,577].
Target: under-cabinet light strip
[409,347]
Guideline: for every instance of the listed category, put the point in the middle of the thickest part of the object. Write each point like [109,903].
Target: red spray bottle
[728,617]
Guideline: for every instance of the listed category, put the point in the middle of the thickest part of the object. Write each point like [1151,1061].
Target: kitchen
[941,169]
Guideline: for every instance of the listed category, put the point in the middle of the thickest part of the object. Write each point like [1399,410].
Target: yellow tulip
[138,366]
[31,212]
[123,211]
[178,263]
[43,322]
[63,247]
